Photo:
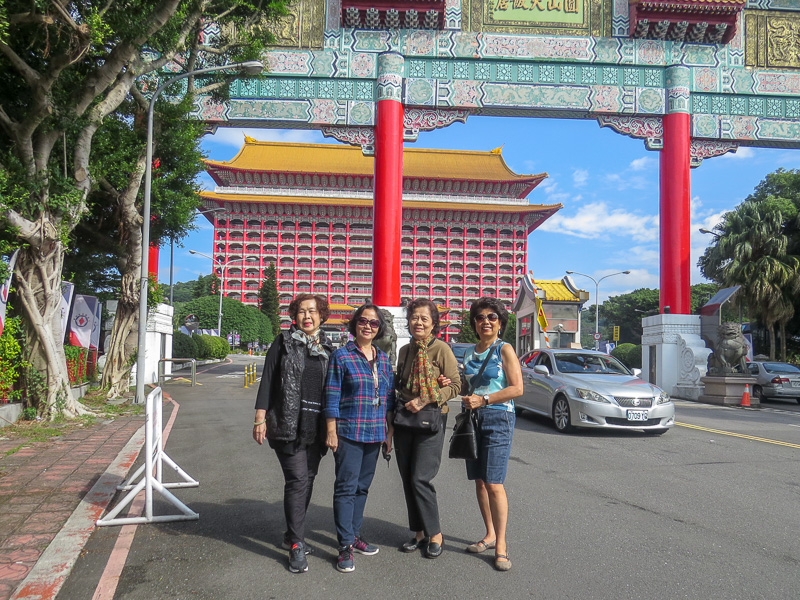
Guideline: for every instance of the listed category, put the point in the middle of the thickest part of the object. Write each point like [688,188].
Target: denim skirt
[495,432]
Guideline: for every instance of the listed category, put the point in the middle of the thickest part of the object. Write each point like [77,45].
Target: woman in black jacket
[288,413]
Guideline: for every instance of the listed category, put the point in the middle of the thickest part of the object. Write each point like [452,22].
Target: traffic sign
[596,336]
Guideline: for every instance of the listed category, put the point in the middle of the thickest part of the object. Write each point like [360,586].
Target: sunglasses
[491,316]
[374,323]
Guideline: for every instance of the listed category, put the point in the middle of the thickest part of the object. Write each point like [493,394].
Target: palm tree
[751,251]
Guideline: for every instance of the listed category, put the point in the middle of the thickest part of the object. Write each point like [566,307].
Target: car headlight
[591,395]
[663,398]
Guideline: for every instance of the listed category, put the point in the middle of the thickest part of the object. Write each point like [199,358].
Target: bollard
[253,374]
[246,376]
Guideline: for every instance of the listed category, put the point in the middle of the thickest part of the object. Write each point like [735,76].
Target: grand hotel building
[308,209]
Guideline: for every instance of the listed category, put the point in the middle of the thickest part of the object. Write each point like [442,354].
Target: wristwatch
[485,400]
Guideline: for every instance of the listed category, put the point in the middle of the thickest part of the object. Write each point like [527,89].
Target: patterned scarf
[422,381]
[312,342]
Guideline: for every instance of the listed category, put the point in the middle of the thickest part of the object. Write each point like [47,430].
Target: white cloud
[580,177]
[234,136]
[597,220]
[743,153]
[642,164]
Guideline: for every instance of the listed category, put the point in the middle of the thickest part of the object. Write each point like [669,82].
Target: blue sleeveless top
[493,379]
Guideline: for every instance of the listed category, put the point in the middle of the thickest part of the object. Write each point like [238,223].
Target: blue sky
[608,184]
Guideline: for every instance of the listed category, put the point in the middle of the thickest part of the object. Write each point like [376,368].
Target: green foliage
[626,311]
[12,360]
[251,324]
[629,354]
[211,346]
[155,294]
[183,346]
[467,335]
[181,292]
[206,285]
[268,300]
[28,413]
[510,334]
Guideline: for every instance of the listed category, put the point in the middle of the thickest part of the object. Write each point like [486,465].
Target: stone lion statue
[729,351]
[388,341]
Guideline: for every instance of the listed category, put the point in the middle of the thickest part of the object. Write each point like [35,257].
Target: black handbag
[464,441]
[426,420]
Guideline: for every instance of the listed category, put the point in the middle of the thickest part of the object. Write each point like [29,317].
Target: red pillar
[152,260]
[675,215]
[388,207]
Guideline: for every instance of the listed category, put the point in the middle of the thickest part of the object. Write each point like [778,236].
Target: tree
[66,71]
[466,335]
[206,285]
[510,334]
[751,250]
[626,311]
[252,325]
[268,301]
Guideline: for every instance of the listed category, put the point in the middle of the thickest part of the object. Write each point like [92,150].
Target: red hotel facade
[308,209]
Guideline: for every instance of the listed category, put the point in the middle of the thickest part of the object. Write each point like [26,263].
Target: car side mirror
[541,370]
[637,372]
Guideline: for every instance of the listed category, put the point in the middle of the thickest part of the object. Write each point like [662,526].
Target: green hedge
[629,354]
[183,346]
[211,346]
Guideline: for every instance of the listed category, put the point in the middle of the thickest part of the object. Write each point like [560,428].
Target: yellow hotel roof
[504,208]
[349,160]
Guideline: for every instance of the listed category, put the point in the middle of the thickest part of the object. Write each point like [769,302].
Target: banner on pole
[5,290]
[98,315]
[67,292]
[82,321]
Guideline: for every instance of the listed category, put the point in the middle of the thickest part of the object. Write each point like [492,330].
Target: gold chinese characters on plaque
[772,39]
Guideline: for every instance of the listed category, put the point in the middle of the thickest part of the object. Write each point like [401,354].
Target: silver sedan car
[584,388]
[775,380]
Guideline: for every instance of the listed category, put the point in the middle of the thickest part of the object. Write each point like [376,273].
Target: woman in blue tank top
[493,398]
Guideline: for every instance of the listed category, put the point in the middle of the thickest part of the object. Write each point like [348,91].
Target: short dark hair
[419,303]
[322,306]
[351,325]
[492,304]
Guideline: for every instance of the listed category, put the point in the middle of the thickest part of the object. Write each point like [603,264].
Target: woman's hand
[388,442]
[414,406]
[443,381]
[332,440]
[472,401]
[260,433]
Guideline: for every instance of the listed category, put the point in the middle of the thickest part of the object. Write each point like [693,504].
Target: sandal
[481,546]
[502,563]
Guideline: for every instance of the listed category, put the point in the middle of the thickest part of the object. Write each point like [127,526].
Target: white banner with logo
[5,290]
[67,291]
[98,316]
[82,321]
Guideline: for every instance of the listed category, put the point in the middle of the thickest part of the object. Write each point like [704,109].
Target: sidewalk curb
[54,566]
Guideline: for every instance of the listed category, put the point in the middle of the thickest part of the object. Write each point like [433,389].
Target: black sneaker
[287,545]
[297,559]
[345,564]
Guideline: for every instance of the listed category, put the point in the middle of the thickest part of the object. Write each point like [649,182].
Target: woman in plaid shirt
[358,394]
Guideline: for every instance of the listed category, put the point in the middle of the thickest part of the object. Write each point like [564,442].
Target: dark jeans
[299,471]
[418,458]
[355,468]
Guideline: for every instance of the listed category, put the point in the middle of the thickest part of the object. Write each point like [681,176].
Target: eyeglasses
[491,316]
[364,321]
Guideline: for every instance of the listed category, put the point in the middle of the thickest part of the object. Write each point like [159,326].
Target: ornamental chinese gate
[693,79]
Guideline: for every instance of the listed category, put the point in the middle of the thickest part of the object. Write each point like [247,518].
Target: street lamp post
[597,300]
[222,267]
[251,67]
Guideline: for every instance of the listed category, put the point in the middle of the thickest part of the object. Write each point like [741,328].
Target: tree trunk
[38,278]
[783,341]
[771,329]
[119,354]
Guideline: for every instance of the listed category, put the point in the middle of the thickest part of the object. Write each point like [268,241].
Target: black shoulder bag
[426,420]
[464,441]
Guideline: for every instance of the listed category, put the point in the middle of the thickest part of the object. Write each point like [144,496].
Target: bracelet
[259,422]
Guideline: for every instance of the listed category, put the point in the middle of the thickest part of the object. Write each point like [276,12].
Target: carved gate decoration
[693,79]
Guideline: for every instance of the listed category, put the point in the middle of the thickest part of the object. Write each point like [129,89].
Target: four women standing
[358,404]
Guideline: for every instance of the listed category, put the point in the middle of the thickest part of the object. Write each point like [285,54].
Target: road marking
[739,435]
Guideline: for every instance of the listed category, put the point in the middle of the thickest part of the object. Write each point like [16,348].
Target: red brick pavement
[41,485]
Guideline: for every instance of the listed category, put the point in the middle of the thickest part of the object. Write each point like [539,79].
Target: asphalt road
[708,510]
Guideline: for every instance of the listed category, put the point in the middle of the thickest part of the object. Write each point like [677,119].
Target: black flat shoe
[414,544]
[434,550]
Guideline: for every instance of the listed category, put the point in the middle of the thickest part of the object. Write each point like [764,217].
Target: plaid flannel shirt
[350,394]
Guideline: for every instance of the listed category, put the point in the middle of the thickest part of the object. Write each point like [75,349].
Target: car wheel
[561,414]
[656,431]
[758,393]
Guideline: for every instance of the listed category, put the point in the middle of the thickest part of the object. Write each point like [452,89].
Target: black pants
[418,458]
[299,471]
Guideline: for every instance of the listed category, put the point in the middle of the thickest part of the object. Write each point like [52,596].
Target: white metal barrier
[154,459]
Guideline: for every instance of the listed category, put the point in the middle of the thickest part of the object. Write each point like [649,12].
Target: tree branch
[31,77]
[27,229]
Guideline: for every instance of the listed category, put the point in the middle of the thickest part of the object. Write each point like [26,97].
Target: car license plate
[637,415]
[795,383]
